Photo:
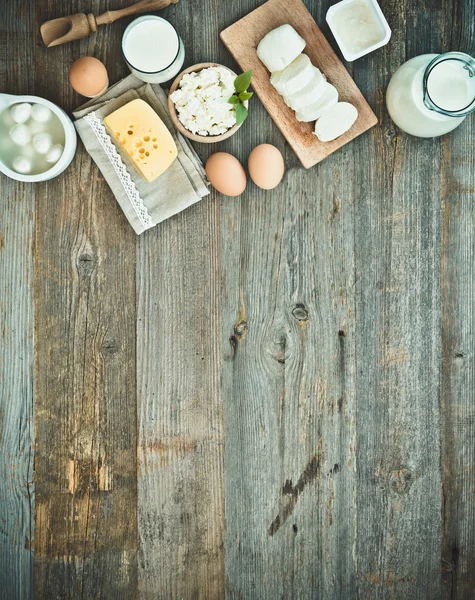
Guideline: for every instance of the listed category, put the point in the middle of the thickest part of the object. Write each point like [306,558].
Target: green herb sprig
[241,83]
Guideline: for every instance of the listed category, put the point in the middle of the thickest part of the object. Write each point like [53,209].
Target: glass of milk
[152,49]
[432,94]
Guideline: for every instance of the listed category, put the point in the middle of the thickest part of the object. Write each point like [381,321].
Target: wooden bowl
[205,139]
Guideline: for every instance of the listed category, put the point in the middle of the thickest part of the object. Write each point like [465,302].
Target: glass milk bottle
[432,94]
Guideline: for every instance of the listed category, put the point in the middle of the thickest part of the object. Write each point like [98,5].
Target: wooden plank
[242,39]
[180,446]
[16,332]
[288,375]
[458,372]
[180,496]
[458,326]
[398,341]
[85,463]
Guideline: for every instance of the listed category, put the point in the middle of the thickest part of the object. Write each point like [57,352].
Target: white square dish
[345,23]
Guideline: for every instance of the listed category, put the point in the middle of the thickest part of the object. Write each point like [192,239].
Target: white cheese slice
[294,77]
[327,98]
[335,121]
[308,94]
[280,47]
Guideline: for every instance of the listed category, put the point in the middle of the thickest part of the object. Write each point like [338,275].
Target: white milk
[416,93]
[153,49]
[450,87]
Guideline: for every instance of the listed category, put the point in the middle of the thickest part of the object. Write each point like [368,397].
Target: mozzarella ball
[7,120]
[20,134]
[54,153]
[20,112]
[42,142]
[21,164]
[36,127]
[40,113]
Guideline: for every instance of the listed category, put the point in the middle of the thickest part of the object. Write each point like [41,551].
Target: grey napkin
[144,204]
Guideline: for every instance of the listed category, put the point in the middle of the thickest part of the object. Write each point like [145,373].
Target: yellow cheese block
[143,136]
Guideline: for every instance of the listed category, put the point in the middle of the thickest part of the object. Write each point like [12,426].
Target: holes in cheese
[127,125]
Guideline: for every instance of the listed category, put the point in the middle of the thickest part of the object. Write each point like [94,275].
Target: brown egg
[88,76]
[266,166]
[226,174]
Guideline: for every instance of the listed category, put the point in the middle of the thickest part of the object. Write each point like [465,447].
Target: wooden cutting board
[242,39]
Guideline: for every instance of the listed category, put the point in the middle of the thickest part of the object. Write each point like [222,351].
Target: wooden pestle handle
[140,7]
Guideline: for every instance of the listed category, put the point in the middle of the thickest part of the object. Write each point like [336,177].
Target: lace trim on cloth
[120,169]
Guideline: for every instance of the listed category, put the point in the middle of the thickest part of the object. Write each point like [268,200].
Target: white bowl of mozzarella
[303,86]
[37,138]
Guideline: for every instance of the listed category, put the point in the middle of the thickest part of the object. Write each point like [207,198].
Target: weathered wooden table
[264,397]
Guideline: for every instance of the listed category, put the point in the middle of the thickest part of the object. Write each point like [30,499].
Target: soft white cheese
[280,47]
[294,77]
[201,101]
[308,94]
[327,98]
[335,121]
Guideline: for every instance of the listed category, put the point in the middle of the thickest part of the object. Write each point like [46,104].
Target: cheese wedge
[335,121]
[294,77]
[308,94]
[280,47]
[143,137]
[311,112]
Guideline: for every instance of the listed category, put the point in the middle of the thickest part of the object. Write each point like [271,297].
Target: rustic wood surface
[242,39]
[271,396]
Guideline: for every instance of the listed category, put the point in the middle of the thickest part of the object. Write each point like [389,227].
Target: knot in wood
[240,328]
[300,312]
[86,263]
[390,133]
[110,347]
[401,480]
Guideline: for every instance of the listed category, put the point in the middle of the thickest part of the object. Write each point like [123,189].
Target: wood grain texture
[242,39]
[301,360]
[458,326]
[398,343]
[181,503]
[180,439]
[85,462]
[288,376]
[458,370]
[17,203]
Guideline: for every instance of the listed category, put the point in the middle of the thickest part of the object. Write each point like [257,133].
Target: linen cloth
[144,204]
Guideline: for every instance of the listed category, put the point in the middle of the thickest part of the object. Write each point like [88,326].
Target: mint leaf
[241,114]
[243,96]
[243,81]
[233,100]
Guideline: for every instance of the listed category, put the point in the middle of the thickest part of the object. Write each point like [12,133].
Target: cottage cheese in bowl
[201,101]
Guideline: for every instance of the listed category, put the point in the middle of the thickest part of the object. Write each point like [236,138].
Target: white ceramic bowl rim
[70,138]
